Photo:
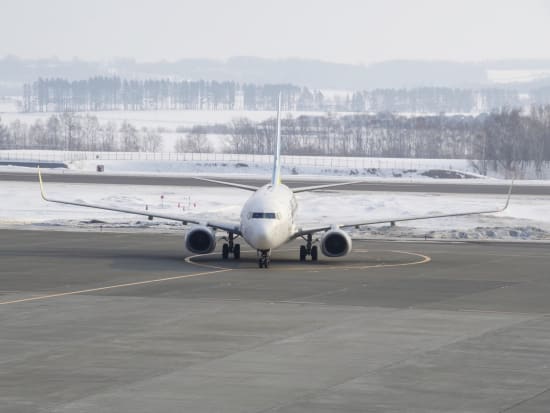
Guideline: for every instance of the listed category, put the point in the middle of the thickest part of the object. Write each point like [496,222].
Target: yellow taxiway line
[112,287]
[423,260]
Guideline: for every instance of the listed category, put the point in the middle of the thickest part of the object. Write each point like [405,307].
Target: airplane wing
[305,231]
[225,226]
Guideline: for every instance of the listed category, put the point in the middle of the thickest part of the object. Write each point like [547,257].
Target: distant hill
[311,73]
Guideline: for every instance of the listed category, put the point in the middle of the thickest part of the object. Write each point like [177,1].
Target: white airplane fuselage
[267,217]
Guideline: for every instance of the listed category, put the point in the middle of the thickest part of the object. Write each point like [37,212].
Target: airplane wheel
[225,251]
[261,263]
[237,251]
[303,253]
[314,253]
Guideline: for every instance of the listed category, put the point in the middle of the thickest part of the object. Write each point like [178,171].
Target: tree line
[507,139]
[72,132]
[113,93]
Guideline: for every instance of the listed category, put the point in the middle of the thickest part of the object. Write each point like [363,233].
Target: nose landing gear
[309,250]
[264,258]
[231,248]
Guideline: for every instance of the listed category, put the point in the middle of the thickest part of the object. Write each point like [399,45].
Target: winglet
[41,185]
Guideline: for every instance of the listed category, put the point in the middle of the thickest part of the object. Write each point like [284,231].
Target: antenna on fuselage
[276,177]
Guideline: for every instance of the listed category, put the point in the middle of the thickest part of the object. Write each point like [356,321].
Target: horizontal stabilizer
[313,188]
[233,184]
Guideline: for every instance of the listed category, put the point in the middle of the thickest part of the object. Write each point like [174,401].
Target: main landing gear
[264,257]
[230,248]
[309,250]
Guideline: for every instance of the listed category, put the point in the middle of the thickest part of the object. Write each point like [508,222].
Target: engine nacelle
[200,240]
[336,243]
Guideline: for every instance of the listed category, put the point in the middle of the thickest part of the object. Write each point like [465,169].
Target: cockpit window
[264,215]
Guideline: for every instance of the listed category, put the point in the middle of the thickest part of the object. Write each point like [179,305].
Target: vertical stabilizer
[276,178]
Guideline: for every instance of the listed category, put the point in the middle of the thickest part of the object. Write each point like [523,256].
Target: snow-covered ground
[168,119]
[263,167]
[224,163]
[519,75]
[22,207]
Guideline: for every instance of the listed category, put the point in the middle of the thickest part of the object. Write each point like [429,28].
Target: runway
[461,187]
[106,322]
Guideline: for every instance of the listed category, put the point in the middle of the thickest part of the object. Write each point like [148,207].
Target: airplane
[267,219]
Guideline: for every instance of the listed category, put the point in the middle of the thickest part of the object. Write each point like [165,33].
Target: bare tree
[4,136]
[109,137]
[38,134]
[19,133]
[151,141]
[196,141]
[69,130]
[129,138]
[90,133]
[53,131]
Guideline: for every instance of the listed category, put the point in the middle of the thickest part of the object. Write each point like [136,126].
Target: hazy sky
[352,31]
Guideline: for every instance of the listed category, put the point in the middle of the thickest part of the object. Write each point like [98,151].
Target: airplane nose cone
[260,238]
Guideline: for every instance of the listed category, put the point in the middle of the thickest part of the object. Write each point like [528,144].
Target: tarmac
[461,186]
[111,322]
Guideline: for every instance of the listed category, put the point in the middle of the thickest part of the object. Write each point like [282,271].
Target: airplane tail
[276,177]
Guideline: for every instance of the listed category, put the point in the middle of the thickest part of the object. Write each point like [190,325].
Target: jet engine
[336,243]
[200,240]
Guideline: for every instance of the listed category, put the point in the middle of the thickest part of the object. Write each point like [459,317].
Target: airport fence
[327,162]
